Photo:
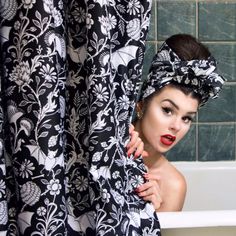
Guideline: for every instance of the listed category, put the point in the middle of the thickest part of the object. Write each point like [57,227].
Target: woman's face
[167,118]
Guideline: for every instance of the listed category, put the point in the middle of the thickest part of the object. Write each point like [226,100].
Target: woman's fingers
[131,128]
[133,137]
[135,145]
[149,176]
[139,146]
[145,154]
[154,199]
[150,191]
[148,188]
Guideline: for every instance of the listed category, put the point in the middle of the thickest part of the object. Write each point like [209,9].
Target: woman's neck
[154,159]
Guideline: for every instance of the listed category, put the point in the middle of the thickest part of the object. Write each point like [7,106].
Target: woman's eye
[167,110]
[187,119]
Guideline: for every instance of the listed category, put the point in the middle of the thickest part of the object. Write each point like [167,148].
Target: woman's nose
[175,124]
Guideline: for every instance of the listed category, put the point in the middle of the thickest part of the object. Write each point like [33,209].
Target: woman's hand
[135,145]
[150,191]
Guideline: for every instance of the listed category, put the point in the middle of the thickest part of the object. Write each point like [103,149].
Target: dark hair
[187,47]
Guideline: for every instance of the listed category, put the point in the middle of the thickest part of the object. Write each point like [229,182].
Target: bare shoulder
[174,188]
[175,178]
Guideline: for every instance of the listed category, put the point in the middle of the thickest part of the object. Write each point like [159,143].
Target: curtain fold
[70,73]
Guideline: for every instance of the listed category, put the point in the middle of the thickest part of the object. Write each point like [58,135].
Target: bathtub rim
[193,219]
[200,218]
[192,165]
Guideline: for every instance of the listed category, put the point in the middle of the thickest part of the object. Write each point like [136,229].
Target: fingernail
[136,155]
[145,175]
[136,190]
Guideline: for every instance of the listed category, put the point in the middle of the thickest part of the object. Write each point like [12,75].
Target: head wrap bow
[167,68]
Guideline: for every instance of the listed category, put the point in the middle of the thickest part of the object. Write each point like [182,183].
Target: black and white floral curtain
[69,79]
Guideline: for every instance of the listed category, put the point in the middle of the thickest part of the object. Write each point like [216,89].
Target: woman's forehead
[177,97]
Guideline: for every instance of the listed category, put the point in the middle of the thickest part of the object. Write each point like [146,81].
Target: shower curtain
[70,73]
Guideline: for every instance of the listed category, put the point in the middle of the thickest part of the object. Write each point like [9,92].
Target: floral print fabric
[200,75]
[69,79]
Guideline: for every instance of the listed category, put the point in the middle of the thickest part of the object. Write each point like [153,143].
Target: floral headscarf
[199,75]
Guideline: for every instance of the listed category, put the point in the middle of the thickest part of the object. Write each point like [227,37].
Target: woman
[180,80]
[135,144]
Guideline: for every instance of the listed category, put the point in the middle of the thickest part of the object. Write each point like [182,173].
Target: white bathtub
[210,205]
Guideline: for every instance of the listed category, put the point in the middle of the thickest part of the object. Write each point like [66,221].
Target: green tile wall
[212,136]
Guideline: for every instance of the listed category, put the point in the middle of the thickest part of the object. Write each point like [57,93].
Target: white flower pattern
[70,88]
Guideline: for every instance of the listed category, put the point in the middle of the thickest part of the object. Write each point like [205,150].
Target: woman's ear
[139,110]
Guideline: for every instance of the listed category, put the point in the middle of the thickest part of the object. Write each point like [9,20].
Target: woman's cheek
[184,131]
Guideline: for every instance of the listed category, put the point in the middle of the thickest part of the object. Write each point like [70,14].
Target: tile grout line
[197,21]
[197,124]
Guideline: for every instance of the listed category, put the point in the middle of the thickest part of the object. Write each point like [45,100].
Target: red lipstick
[167,139]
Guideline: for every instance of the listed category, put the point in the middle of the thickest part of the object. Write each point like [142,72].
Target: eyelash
[168,110]
[190,119]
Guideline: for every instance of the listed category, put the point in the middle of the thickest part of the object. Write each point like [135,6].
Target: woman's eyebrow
[177,107]
[173,103]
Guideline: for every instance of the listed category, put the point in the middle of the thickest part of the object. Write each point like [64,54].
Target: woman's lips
[167,139]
